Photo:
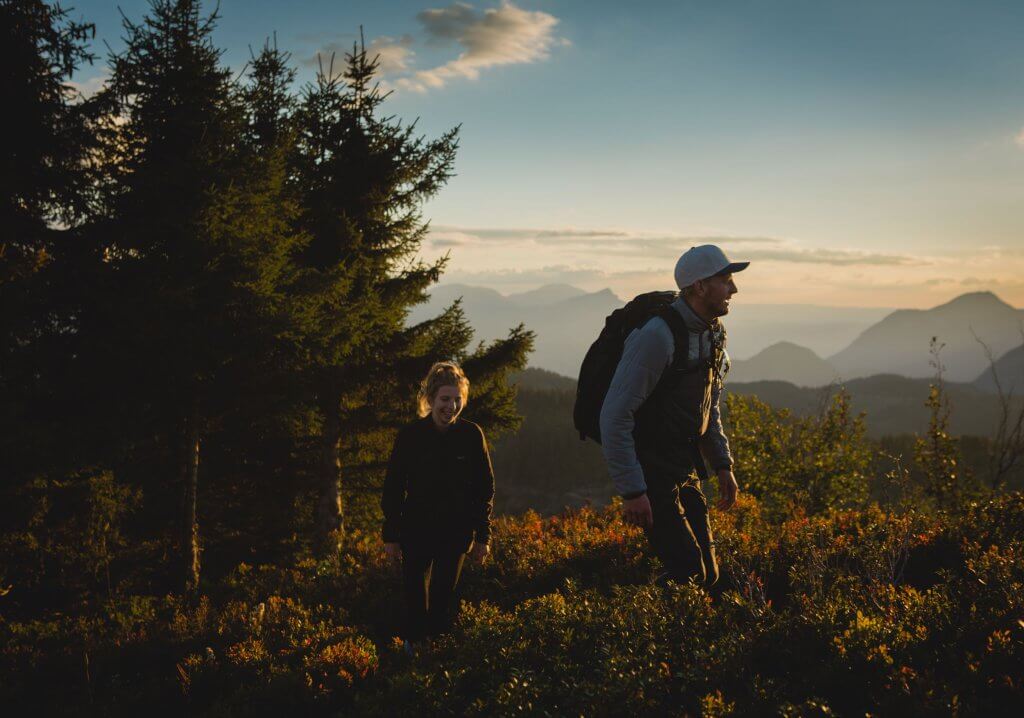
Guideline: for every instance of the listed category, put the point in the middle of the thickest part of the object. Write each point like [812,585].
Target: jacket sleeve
[396,479]
[646,354]
[483,492]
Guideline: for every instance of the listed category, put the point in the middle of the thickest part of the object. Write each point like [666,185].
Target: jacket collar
[693,322]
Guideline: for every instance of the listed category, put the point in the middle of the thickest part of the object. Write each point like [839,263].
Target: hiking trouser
[430,576]
[681,535]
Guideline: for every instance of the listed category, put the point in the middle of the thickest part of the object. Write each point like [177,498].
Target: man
[660,418]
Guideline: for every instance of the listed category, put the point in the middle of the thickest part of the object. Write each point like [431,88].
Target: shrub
[799,463]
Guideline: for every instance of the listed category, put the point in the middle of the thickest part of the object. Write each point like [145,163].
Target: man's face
[718,290]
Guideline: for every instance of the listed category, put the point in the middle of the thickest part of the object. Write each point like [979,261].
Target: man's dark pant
[430,575]
[681,536]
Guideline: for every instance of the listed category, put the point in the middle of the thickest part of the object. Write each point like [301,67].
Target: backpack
[604,354]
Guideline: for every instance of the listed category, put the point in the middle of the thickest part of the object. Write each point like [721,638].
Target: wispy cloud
[506,35]
[614,243]
[395,55]
[91,85]
[520,234]
[519,279]
[1019,139]
[834,257]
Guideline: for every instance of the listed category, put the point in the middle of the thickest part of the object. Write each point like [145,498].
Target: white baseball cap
[702,262]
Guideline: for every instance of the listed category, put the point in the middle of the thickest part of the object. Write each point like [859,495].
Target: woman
[437,500]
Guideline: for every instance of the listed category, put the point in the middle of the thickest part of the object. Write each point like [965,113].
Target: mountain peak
[975,300]
[546,294]
[784,361]
[785,348]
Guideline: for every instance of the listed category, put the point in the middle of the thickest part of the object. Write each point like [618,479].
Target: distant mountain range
[803,345]
[822,329]
[894,404]
[566,319]
[899,343]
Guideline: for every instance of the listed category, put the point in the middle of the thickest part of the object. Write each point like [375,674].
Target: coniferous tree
[43,198]
[254,449]
[41,178]
[194,238]
[364,178]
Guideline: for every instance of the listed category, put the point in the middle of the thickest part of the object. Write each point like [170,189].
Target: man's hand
[638,511]
[393,553]
[478,553]
[727,489]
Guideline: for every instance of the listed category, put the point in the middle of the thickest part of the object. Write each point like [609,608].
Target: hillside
[784,361]
[863,612]
[1009,368]
[545,466]
[899,344]
[894,404]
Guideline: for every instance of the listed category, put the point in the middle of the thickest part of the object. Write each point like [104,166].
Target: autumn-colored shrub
[880,611]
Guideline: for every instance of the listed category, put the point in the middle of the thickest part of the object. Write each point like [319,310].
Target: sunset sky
[859,153]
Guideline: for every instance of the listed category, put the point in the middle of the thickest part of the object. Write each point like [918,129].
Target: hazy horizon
[512,289]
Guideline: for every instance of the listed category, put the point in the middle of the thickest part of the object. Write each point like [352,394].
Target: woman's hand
[393,553]
[479,552]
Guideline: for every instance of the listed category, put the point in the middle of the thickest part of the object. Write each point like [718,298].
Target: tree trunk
[190,482]
[330,521]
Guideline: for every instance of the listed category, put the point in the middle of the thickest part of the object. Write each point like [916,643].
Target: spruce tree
[364,178]
[44,198]
[42,150]
[195,239]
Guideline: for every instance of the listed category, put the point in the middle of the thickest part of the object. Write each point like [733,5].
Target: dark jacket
[439,486]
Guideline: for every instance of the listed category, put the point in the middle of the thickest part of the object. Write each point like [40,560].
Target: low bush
[846,612]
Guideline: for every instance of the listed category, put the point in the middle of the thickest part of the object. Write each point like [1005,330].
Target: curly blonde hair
[443,373]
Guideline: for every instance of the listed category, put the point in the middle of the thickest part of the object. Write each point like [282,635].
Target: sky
[858,153]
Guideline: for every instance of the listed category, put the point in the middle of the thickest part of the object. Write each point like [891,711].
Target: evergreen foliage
[44,194]
[231,302]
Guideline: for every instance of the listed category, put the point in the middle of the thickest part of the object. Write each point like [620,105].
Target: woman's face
[446,406]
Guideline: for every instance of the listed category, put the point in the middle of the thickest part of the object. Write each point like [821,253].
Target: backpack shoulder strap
[680,335]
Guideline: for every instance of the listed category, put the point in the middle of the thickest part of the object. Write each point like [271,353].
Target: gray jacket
[647,353]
